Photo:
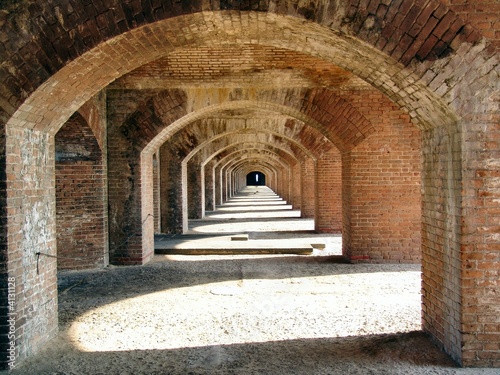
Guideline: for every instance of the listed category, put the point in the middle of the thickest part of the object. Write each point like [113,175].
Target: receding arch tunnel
[378,121]
[256,178]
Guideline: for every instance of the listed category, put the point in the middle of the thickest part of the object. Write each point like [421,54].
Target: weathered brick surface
[195,200]
[381,179]
[81,199]
[171,191]
[31,229]
[479,256]
[309,188]
[156,192]
[322,64]
[329,218]
[218,184]
[296,186]
[124,200]
[210,189]
[441,295]
[481,15]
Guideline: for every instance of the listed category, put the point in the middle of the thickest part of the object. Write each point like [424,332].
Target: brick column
[461,239]
[156,192]
[381,195]
[224,185]
[218,185]
[309,186]
[441,268]
[329,218]
[194,189]
[28,318]
[171,191]
[288,181]
[296,200]
[210,186]
[125,184]
[81,197]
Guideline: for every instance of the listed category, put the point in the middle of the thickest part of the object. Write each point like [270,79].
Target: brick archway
[80,197]
[426,60]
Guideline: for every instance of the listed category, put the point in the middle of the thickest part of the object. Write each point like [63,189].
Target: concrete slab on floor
[196,244]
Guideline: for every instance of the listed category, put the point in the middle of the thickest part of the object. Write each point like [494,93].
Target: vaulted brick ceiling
[309,116]
[245,66]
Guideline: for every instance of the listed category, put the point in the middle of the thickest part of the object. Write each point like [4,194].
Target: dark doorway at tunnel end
[256,179]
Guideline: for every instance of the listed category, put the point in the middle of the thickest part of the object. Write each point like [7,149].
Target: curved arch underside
[378,119]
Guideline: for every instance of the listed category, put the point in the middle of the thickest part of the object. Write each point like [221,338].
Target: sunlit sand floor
[244,314]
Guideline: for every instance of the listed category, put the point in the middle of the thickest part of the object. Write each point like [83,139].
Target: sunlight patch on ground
[252,226]
[253,310]
[240,208]
[255,214]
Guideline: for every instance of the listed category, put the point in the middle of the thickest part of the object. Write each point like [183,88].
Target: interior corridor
[243,311]
[254,221]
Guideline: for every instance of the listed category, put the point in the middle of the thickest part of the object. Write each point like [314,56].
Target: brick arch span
[255,164]
[154,124]
[162,116]
[210,162]
[192,172]
[240,175]
[226,152]
[263,160]
[199,134]
[224,160]
[274,175]
[248,167]
[227,158]
[80,189]
[299,186]
[180,182]
[207,149]
[47,76]
[407,33]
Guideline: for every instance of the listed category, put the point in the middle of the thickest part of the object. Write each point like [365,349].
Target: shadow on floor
[406,353]
[163,273]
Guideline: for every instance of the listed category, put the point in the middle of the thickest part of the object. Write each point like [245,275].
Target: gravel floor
[242,315]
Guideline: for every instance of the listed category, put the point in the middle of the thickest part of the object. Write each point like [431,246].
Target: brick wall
[210,186]
[482,15]
[296,186]
[480,231]
[194,189]
[146,230]
[31,229]
[329,219]
[218,184]
[171,191]
[381,192]
[309,188]
[80,197]
[48,73]
[441,294]
[124,200]
[156,192]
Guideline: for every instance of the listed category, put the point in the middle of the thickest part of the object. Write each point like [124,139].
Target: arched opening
[256,178]
[429,75]
[80,197]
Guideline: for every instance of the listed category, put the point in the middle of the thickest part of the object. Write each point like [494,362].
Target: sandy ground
[243,314]
[275,314]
